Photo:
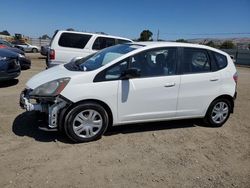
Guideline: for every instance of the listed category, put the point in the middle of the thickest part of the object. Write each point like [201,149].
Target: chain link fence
[242,57]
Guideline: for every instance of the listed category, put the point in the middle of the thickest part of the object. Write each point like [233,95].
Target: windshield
[101,58]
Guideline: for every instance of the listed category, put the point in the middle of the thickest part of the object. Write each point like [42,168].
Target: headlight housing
[51,89]
[3,58]
[21,56]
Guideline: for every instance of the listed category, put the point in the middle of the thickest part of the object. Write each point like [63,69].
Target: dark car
[9,65]
[44,50]
[25,63]
[23,60]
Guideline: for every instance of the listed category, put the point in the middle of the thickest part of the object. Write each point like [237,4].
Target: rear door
[200,84]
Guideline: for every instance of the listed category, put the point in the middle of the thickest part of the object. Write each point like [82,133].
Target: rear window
[221,60]
[74,40]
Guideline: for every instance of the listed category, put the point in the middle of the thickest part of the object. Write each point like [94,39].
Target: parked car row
[26,47]
[12,61]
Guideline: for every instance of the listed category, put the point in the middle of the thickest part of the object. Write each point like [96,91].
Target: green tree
[227,45]
[70,29]
[211,44]
[146,35]
[181,40]
[5,32]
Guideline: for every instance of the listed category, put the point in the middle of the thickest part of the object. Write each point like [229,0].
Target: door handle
[214,79]
[169,85]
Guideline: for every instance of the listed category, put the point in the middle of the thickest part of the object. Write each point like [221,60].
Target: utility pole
[158,34]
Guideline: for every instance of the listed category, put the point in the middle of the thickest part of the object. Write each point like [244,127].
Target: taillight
[235,77]
[52,54]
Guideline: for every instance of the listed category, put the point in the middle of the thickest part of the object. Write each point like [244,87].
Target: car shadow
[8,83]
[26,124]
[152,126]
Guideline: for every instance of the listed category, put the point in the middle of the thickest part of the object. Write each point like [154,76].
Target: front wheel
[218,112]
[34,50]
[86,122]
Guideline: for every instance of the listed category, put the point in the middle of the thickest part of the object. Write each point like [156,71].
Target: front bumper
[48,105]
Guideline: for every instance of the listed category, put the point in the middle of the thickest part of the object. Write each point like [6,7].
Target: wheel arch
[72,105]
[228,97]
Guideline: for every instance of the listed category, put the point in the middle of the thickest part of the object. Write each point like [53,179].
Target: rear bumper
[235,95]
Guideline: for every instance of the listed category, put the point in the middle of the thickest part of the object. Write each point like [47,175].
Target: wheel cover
[220,112]
[87,123]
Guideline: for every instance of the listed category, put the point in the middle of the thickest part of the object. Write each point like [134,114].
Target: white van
[67,45]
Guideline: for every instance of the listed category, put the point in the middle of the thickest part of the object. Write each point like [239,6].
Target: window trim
[216,62]
[105,38]
[100,77]
[60,38]
[182,60]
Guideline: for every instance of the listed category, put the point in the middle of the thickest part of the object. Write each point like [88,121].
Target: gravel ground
[165,154]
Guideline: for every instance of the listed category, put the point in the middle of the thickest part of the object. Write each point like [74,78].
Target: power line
[239,33]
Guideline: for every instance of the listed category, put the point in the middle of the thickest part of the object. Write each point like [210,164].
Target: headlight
[52,88]
[21,56]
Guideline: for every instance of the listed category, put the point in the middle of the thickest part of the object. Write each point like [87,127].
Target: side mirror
[131,73]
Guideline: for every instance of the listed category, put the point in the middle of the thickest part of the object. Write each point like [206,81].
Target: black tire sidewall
[34,50]
[209,119]
[68,126]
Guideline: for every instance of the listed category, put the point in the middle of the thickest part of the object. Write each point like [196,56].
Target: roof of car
[97,34]
[153,44]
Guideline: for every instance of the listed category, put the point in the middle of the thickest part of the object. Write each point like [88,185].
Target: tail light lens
[235,77]
[52,54]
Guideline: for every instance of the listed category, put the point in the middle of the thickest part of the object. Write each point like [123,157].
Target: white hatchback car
[132,83]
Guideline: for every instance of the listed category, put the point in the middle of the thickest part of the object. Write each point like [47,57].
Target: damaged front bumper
[48,105]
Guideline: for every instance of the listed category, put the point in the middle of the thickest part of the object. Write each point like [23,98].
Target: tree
[211,44]
[181,40]
[146,35]
[5,32]
[249,46]
[227,45]
[70,29]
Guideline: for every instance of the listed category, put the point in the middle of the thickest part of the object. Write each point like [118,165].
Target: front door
[154,94]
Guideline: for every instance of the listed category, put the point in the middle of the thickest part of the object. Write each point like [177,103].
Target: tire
[34,50]
[86,122]
[218,112]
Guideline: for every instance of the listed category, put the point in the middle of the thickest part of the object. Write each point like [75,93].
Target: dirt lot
[166,154]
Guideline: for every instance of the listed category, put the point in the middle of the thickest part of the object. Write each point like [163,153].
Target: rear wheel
[86,122]
[218,112]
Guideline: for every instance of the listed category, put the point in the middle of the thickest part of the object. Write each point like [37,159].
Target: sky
[174,19]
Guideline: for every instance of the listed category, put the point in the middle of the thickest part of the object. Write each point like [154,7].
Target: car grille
[13,65]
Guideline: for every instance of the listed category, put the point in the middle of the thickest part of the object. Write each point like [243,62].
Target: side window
[221,60]
[103,42]
[157,62]
[114,72]
[121,41]
[73,40]
[195,61]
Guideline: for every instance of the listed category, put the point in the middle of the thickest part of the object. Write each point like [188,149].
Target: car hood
[4,52]
[51,74]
